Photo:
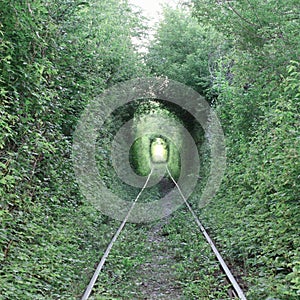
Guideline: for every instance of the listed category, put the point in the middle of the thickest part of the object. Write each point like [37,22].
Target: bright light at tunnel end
[159,151]
[99,110]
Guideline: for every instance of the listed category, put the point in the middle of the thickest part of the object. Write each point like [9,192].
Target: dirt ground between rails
[156,279]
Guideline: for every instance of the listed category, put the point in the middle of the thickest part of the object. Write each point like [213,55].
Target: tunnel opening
[146,149]
[159,150]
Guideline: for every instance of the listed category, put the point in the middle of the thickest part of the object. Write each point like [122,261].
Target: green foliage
[126,258]
[258,101]
[260,195]
[95,52]
[196,269]
[146,118]
[253,24]
[54,56]
[184,50]
[245,54]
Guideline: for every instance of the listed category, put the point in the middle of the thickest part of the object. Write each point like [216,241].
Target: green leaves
[54,57]
[184,50]
[257,84]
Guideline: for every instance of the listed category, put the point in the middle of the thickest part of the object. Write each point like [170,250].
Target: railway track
[237,292]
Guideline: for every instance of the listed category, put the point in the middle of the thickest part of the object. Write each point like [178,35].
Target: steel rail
[231,278]
[108,249]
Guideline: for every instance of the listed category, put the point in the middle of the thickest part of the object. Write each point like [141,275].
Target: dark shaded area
[165,186]
[188,120]
[126,112]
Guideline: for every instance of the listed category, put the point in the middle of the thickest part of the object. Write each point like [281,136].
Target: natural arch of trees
[55,56]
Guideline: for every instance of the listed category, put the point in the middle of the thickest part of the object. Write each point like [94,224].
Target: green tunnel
[154,147]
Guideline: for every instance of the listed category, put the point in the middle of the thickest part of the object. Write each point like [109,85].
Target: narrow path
[156,279]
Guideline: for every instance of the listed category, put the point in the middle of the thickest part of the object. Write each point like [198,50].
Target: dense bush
[256,213]
[246,56]
[55,56]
